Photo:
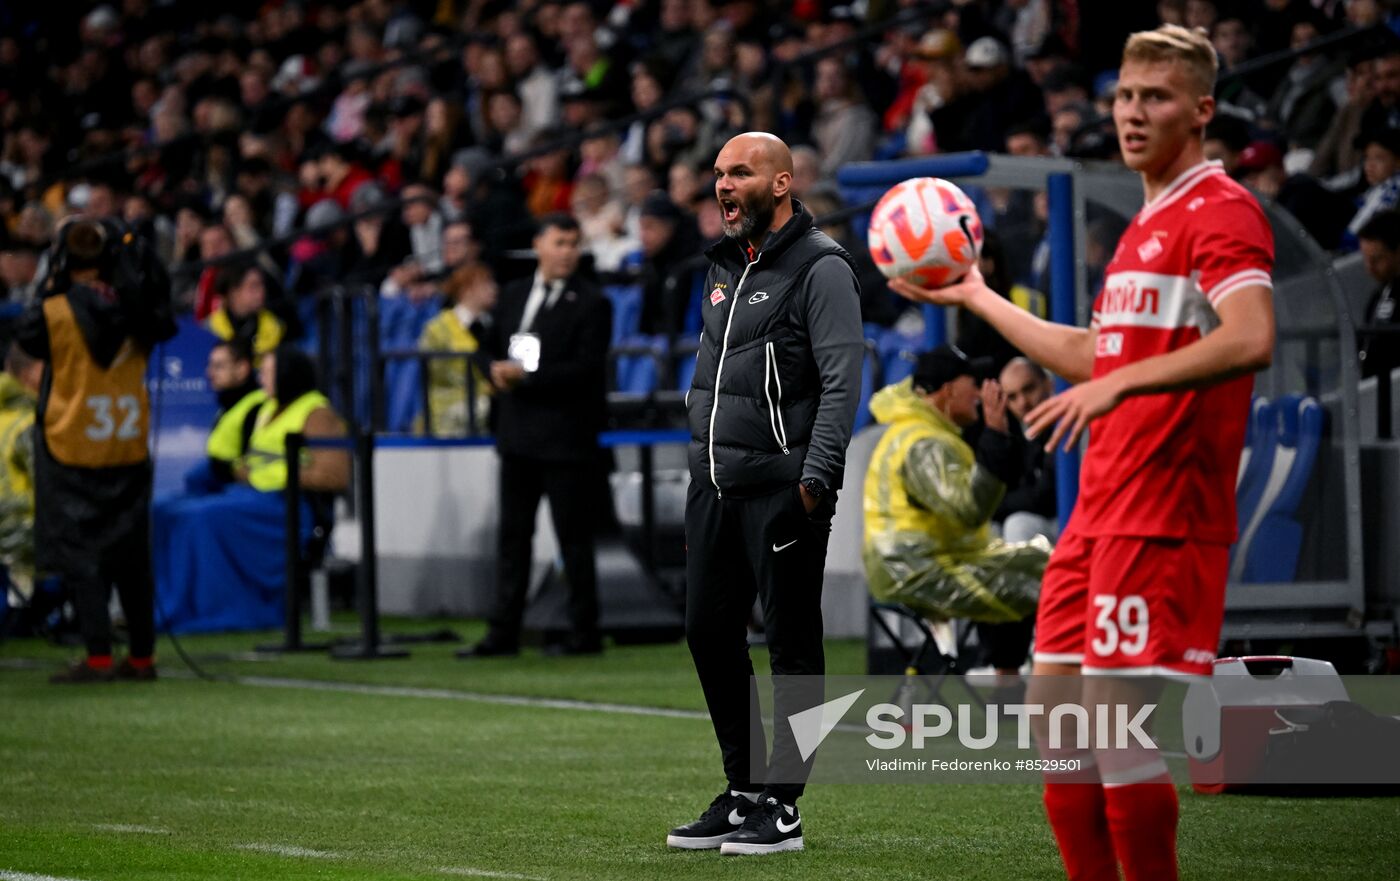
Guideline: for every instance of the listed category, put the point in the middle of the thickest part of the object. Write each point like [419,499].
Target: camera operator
[105,304]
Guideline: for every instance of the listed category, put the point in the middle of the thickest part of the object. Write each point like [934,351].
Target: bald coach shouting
[770,411]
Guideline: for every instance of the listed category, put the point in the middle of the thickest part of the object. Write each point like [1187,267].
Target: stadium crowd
[222,126]
[409,146]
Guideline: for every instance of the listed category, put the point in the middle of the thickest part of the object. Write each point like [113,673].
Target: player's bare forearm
[1063,349]
[1243,343]
[1060,348]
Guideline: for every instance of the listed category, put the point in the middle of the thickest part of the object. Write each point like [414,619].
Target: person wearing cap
[930,497]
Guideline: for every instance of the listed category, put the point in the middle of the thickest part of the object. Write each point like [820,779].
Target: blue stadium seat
[685,354]
[1256,463]
[403,389]
[892,146]
[401,323]
[638,361]
[627,310]
[694,310]
[1271,548]
[898,352]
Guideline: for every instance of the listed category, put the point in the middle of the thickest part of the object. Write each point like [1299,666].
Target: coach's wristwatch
[814,486]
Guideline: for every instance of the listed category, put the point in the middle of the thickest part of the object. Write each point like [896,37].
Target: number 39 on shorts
[1120,625]
[120,419]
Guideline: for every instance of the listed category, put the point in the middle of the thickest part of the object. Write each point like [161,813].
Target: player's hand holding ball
[925,236]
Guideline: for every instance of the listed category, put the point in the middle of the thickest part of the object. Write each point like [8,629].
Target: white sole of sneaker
[740,848]
[683,843]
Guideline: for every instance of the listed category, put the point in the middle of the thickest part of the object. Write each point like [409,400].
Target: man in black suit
[549,345]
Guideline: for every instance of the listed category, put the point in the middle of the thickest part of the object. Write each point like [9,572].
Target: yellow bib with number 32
[95,417]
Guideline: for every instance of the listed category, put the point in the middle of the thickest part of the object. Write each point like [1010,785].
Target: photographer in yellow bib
[105,304]
[220,559]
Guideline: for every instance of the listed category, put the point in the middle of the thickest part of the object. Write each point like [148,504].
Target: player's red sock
[140,663]
[1142,819]
[1076,812]
[99,662]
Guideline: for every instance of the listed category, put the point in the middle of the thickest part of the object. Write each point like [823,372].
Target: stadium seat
[627,310]
[1270,548]
[892,146]
[638,363]
[898,353]
[1256,463]
[401,323]
[404,393]
[1250,432]
[683,357]
[694,316]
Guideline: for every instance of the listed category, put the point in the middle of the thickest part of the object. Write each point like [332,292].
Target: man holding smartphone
[549,340]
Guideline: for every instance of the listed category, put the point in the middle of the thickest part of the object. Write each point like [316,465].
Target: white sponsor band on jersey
[1154,300]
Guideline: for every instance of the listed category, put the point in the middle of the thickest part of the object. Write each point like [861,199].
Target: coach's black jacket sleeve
[832,310]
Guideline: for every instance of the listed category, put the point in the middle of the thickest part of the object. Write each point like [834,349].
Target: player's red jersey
[1165,464]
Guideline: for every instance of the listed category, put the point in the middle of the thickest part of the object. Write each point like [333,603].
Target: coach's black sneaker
[771,827]
[721,819]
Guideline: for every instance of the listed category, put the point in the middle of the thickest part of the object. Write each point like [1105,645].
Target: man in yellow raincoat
[929,498]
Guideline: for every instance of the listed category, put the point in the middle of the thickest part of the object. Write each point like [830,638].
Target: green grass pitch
[187,779]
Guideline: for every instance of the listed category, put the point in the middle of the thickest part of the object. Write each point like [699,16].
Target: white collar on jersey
[1180,187]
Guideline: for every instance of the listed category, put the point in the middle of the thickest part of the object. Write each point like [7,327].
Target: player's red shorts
[1132,606]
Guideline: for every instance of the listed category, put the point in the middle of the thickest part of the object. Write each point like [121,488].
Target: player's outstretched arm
[1060,348]
[1243,343]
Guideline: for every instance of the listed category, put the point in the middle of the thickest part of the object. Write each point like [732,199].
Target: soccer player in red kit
[1135,589]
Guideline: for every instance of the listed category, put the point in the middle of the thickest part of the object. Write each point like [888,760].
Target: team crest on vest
[1150,249]
[758,297]
[716,297]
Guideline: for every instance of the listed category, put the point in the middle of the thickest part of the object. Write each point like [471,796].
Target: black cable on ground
[164,630]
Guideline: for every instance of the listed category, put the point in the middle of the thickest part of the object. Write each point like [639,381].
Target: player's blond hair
[1171,42]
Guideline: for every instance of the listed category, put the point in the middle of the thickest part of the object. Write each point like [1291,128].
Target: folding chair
[926,666]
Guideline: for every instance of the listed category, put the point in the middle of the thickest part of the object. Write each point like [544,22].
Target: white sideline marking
[485,873]
[509,700]
[287,850]
[25,876]
[124,827]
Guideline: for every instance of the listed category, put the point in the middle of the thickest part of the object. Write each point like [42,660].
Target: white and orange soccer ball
[925,230]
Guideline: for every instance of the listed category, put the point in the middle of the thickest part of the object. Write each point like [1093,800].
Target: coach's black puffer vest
[753,401]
